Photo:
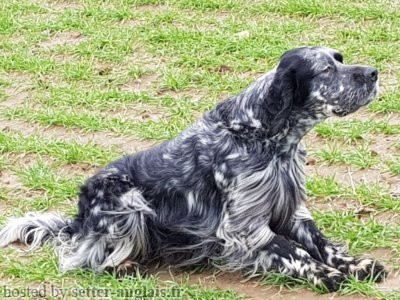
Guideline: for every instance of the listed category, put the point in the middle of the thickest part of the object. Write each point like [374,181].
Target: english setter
[229,190]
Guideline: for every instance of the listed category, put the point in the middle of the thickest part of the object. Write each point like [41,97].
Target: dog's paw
[333,281]
[130,268]
[328,278]
[365,269]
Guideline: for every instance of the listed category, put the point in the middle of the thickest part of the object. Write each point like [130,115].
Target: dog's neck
[245,115]
[299,123]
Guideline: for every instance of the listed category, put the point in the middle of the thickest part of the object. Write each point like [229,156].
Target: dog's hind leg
[112,225]
[303,230]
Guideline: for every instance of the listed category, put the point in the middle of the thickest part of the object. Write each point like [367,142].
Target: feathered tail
[34,229]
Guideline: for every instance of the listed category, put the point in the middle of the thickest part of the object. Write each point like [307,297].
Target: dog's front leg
[288,258]
[303,230]
[258,249]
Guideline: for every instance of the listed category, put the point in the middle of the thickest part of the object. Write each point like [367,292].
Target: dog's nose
[371,73]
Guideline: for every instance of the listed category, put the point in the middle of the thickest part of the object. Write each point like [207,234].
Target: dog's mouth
[341,112]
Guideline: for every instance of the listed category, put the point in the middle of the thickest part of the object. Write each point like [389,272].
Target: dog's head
[316,80]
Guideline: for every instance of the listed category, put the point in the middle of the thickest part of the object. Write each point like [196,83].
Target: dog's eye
[338,57]
[327,69]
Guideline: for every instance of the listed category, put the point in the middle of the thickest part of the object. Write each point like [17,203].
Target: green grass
[92,122]
[389,102]
[353,130]
[324,186]
[394,166]
[346,226]
[361,156]
[373,195]
[143,70]
[41,177]
[63,152]
[45,269]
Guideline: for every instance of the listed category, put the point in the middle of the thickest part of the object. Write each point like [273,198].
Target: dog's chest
[273,192]
[290,186]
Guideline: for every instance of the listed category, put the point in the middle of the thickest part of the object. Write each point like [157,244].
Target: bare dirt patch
[27,160]
[251,289]
[388,80]
[382,253]
[15,97]
[140,112]
[60,6]
[151,8]
[62,38]
[335,204]
[63,58]
[328,25]
[383,145]
[142,84]
[130,23]
[19,91]
[380,145]
[387,217]
[391,283]
[12,183]
[222,16]
[364,115]
[194,95]
[77,169]
[9,180]
[351,176]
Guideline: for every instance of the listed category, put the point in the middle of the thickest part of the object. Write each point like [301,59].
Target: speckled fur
[229,190]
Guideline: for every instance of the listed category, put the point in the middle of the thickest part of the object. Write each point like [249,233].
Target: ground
[85,81]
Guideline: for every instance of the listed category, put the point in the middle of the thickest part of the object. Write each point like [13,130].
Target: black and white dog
[229,190]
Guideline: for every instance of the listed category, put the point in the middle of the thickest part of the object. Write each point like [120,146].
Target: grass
[387,103]
[372,195]
[143,70]
[394,165]
[361,156]
[92,122]
[63,152]
[346,226]
[354,130]
[56,189]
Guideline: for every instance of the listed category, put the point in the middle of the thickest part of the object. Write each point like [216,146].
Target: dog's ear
[281,95]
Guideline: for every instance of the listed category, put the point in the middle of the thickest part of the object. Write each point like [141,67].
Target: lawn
[83,82]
